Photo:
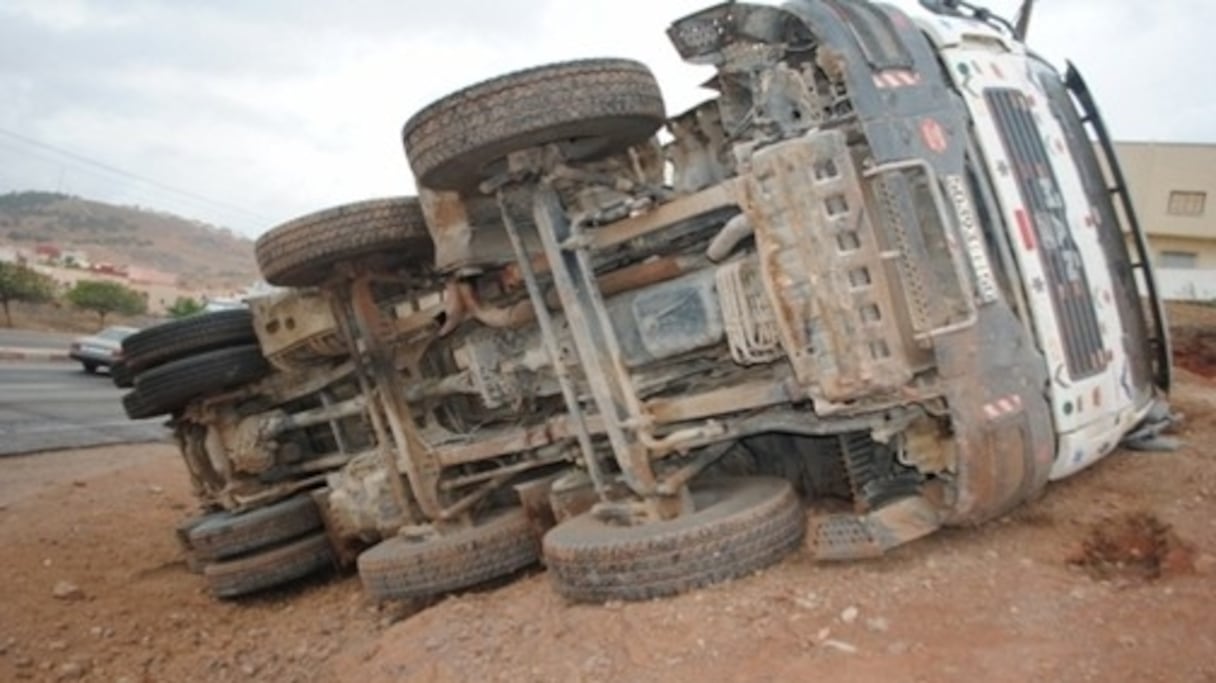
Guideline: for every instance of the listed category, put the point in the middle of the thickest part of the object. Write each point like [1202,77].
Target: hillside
[200,254]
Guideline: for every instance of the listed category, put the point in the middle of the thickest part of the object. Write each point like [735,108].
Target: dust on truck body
[882,262]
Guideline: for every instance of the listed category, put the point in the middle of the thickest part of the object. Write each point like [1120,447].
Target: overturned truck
[882,265]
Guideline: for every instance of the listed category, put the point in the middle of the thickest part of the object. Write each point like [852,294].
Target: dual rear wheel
[739,526]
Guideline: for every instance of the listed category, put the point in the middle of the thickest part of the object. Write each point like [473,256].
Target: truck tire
[600,106]
[121,375]
[399,569]
[741,525]
[268,568]
[182,533]
[176,339]
[137,407]
[169,387]
[382,233]
[224,535]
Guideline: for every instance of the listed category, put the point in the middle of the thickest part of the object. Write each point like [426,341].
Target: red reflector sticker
[933,135]
[1028,240]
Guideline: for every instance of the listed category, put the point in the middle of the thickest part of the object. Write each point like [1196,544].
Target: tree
[106,297]
[20,283]
[184,307]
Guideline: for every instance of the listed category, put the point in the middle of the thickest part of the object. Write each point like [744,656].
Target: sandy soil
[1030,597]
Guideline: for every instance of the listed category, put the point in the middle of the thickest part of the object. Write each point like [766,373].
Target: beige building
[1173,186]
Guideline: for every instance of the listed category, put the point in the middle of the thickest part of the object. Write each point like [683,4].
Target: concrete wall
[1186,285]
[1155,171]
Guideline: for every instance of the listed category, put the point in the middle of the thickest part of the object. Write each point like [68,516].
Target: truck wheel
[176,339]
[122,377]
[182,533]
[267,568]
[223,535]
[381,233]
[595,106]
[171,386]
[138,407]
[398,568]
[740,525]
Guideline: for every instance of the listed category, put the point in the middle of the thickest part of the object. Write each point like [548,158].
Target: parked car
[103,349]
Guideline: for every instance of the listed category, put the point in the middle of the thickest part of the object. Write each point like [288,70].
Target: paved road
[29,339]
[48,406]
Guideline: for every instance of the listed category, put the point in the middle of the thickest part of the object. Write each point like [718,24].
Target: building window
[1187,203]
[1178,259]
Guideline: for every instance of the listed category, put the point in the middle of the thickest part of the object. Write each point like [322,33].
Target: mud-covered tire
[400,569]
[268,568]
[223,535]
[181,533]
[169,387]
[741,525]
[383,234]
[177,339]
[607,104]
[121,375]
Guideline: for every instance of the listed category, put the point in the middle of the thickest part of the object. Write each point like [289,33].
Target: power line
[79,158]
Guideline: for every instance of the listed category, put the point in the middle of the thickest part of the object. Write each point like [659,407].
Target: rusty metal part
[726,194]
[649,272]
[838,537]
[465,505]
[594,340]
[728,238]
[928,448]
[250,443]
[673,483]
[421,467]
[280,422]
[739,399]
[342,300]
[455,309]
[699,151]
[345,552]
[463,302]
[361,506]
[749,320]
[508,470]
[518,439]
[247,494]
[335,428]
[281,387]
[571,495]
[448,223]
[553,348]
[749,396]
[825,275]
[516,315]
[296,328]
[534,495]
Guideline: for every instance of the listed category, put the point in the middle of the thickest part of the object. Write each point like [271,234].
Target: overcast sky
[246,113]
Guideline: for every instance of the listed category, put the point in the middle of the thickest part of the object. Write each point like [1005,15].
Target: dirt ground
[1034,596]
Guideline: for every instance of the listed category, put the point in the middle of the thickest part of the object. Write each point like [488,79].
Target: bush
[104,298]
[184,307]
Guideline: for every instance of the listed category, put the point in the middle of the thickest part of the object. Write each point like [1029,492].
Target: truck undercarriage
[651,349]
